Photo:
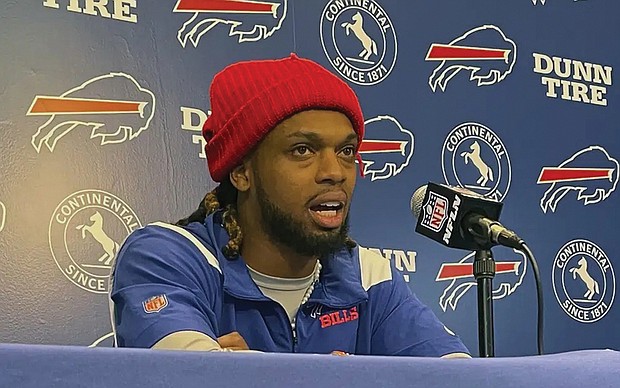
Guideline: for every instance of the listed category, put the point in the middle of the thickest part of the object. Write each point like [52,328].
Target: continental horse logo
[486,172]
[359,40]
[357,26]
[474,157]
[109,246]
[248,21]
[84,235]
[581,270]
[583,279]
[114,107]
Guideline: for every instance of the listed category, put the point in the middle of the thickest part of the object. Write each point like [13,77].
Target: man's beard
[282,228]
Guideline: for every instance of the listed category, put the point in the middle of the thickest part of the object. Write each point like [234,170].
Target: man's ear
[240,177]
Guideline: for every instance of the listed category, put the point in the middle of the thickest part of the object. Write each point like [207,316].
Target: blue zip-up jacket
[168,279]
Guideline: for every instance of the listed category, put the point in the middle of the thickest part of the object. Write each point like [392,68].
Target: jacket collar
[339,284]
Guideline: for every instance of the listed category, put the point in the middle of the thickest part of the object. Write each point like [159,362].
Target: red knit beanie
[248,99]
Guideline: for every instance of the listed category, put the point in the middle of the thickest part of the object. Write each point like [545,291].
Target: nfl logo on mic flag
[435,212]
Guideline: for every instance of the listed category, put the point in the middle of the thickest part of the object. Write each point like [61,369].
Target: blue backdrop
[102,104]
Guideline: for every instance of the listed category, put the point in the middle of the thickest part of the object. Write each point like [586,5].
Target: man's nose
[330,168]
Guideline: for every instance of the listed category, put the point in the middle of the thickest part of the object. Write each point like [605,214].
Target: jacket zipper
[294,332]
[294,329]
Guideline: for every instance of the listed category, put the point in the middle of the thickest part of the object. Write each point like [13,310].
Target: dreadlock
[224,197]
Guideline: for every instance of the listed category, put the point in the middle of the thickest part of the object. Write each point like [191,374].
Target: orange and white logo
[591,173]
[249,20]
[509,276]
[387,147]
[485,53]
[123,115]
[155,304]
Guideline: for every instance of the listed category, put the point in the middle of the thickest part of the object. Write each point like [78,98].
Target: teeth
[328,213]
[331,204]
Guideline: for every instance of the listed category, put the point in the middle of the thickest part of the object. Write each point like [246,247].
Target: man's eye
[348,151]
[301,150]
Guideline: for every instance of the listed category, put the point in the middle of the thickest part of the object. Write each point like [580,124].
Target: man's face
[304,173]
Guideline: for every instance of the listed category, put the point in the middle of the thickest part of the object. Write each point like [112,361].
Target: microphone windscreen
[416,200]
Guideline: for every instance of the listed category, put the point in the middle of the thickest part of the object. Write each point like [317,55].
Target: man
[265,263]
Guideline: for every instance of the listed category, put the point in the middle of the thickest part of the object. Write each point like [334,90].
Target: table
[72,366]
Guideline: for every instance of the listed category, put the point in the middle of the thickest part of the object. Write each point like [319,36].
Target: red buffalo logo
[387,147]
[485,52]
[249,20]
[508,277]
[591,172]
[123,113]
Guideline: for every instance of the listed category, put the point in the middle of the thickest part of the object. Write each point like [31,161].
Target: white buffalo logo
[591,172]
[485,52]
[387,147]
[248,20]
[509,276]
[114,107]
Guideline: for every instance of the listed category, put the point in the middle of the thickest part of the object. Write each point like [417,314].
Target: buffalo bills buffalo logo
[485,52]
[248,20]
[387,147]
[591,173]
[508,277]
[114,107]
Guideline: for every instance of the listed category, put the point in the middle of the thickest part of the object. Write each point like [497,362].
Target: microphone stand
[484,271]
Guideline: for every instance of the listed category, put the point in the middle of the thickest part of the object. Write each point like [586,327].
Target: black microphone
[459,218]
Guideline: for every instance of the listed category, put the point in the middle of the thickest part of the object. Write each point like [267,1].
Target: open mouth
[328,214]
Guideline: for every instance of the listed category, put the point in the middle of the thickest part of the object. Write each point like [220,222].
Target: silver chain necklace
[304,300]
